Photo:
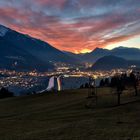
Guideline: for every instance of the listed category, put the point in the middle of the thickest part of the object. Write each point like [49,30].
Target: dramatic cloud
[74,25]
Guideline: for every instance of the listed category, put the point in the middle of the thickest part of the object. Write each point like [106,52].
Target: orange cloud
[77,34]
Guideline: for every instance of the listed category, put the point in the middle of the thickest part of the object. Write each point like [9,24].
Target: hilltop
[64,116]
[110,62]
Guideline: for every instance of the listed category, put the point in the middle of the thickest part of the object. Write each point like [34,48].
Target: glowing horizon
[77,26]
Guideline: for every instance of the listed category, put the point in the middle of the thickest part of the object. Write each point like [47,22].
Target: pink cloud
[74,35]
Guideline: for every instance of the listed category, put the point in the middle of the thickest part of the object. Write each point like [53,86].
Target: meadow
[63,116]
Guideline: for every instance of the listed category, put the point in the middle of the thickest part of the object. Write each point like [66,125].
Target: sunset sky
[75,25]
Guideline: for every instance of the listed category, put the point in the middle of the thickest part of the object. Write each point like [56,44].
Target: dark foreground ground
[63,116]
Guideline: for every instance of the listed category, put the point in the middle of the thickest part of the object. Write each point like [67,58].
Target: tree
[113,82]
[120,87]
[4,93]
[134,82]
[102,83]
[106,82]
[82,86]
[86,85]
[120,83]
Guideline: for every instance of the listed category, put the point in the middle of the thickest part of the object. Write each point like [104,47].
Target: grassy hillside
[63,116]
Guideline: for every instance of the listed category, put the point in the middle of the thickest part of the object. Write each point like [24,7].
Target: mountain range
[97,53]
[22,52]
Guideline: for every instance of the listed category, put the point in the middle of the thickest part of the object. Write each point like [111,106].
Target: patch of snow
[3,31]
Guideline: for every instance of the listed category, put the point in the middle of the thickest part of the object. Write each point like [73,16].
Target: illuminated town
[33,81]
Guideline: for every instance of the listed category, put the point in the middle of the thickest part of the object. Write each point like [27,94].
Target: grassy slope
[64,116]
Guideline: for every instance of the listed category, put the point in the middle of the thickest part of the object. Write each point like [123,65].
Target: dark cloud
[74,25]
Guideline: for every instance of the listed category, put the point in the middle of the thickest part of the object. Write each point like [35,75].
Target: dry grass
[63,116]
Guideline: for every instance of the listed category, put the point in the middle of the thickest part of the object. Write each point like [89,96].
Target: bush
[5,93]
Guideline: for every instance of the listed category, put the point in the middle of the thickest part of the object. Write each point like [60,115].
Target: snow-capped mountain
[19,51]
[3,30]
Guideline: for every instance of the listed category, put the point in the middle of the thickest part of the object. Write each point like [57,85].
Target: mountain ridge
[37,50]
[97,53]
[21,51]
